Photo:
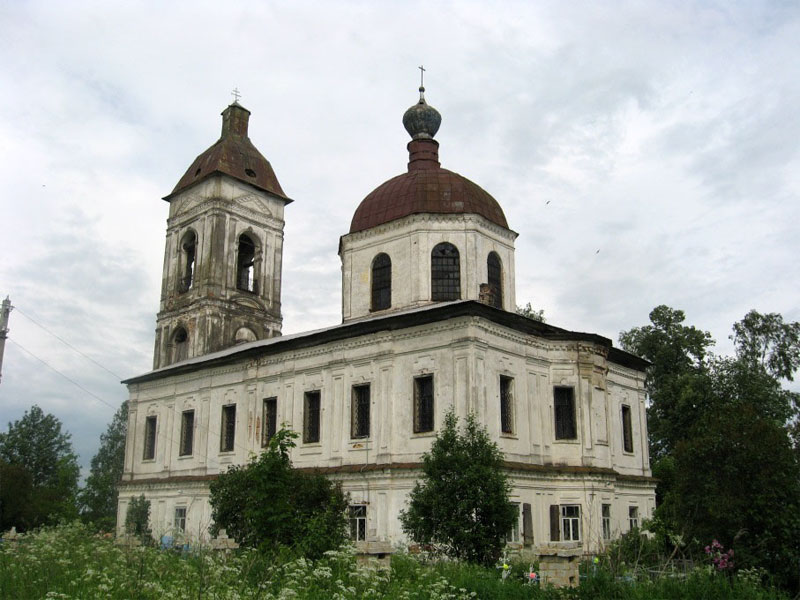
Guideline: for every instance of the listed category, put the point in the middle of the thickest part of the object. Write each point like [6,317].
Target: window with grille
[180,519]
[633,517]
[189,252]
[359,412]
[269,419]
[512,536]
[381,282]
[564,409]
[423,404]
[311,417]
[627,431]
[228,432]
[445,273]
[506,404]
[187,433]
[495,279]
[357,514]
[149,438]
[245,264]
[606,521]
[571,522]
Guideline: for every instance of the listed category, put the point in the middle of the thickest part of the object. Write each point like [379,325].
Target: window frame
[150,437]
[427,412]
[633,518]
[179,521]
[605,516]
[227,432]
[570,523]
[565,417]
[357,521]
[507,407]
[445,272]
[512,536]
[360,411]
[269,419]
[381,282]
[312,403]
[186,441]
[627,429]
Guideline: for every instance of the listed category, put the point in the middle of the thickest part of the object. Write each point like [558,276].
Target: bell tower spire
[221,283]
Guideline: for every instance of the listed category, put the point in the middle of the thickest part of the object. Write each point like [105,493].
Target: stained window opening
[423,404]
[357,514]
[149,438]
[228,430]
[188,255]
[311,418]
[564,405]
[445,273]
[359,418]
[245,265]
[270,420]
[506,404]
[381,282]
[495,277]
[187,433]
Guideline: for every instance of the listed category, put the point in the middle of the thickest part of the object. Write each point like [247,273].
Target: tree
[268,504]
[36,444]
[137,519]
[767,341]
[461,501]
[98,498]
[528,311]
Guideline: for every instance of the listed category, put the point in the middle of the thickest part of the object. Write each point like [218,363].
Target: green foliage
[137,519]
[268,504]
[531,313]
[98,498]
[36,444]
[767,341]
[461,501]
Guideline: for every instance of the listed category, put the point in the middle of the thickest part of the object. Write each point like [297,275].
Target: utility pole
[5,310]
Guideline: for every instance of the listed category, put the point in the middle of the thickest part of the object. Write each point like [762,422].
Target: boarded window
[633,517]
[627,431]
[506,404]
[188,255]
[564,405]
[381,282]
[359,412]
[228,432]
[445,273]
[311,417]
[187,433]
[606,521]
[495,279]
[270,420]
[149,438]
[180,519]
[527,525]
[357,515]
[555,523]
[245,264]
[423,404]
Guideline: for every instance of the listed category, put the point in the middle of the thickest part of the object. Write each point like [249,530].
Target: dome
[426,187]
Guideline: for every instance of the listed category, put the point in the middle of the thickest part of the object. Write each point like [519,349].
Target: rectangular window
[633,517]
[571,523]
[269,419]
[359,412]
[606,521]
[627,431]
[512,537]
[311,417]
[180,519]
[228,431]
[423,404]
[187,433]
[357,514]
[506,404]
[149,438]
[564,404]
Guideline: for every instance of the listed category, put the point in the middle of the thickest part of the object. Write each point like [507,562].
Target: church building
[428,325]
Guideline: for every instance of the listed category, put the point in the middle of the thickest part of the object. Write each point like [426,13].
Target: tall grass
[69,562]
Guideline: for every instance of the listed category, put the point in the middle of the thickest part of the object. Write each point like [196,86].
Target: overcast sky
[647,153]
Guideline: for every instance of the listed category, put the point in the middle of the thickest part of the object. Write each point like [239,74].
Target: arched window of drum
[445,273]
[245,265]
[495,271]
[180,343]
[188,256]
[381,282]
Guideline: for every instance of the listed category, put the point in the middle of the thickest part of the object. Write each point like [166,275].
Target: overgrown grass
[68,562]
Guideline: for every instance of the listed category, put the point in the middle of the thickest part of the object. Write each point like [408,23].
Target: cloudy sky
[646,152]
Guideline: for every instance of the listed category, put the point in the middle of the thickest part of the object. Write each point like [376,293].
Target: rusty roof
[425,188]
[233,155]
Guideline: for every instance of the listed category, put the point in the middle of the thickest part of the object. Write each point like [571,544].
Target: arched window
[180,345]
[495,271]
[445,273]
[381,282]
[245,264]
[188,256]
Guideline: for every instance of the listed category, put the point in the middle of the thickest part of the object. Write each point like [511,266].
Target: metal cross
[236,95]
[421,75]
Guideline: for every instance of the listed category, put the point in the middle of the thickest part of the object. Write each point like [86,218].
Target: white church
[428,324]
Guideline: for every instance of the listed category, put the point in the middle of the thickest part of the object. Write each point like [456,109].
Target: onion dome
[233,155]
[426,187]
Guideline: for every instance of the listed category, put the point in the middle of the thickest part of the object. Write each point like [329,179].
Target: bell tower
[221,283]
